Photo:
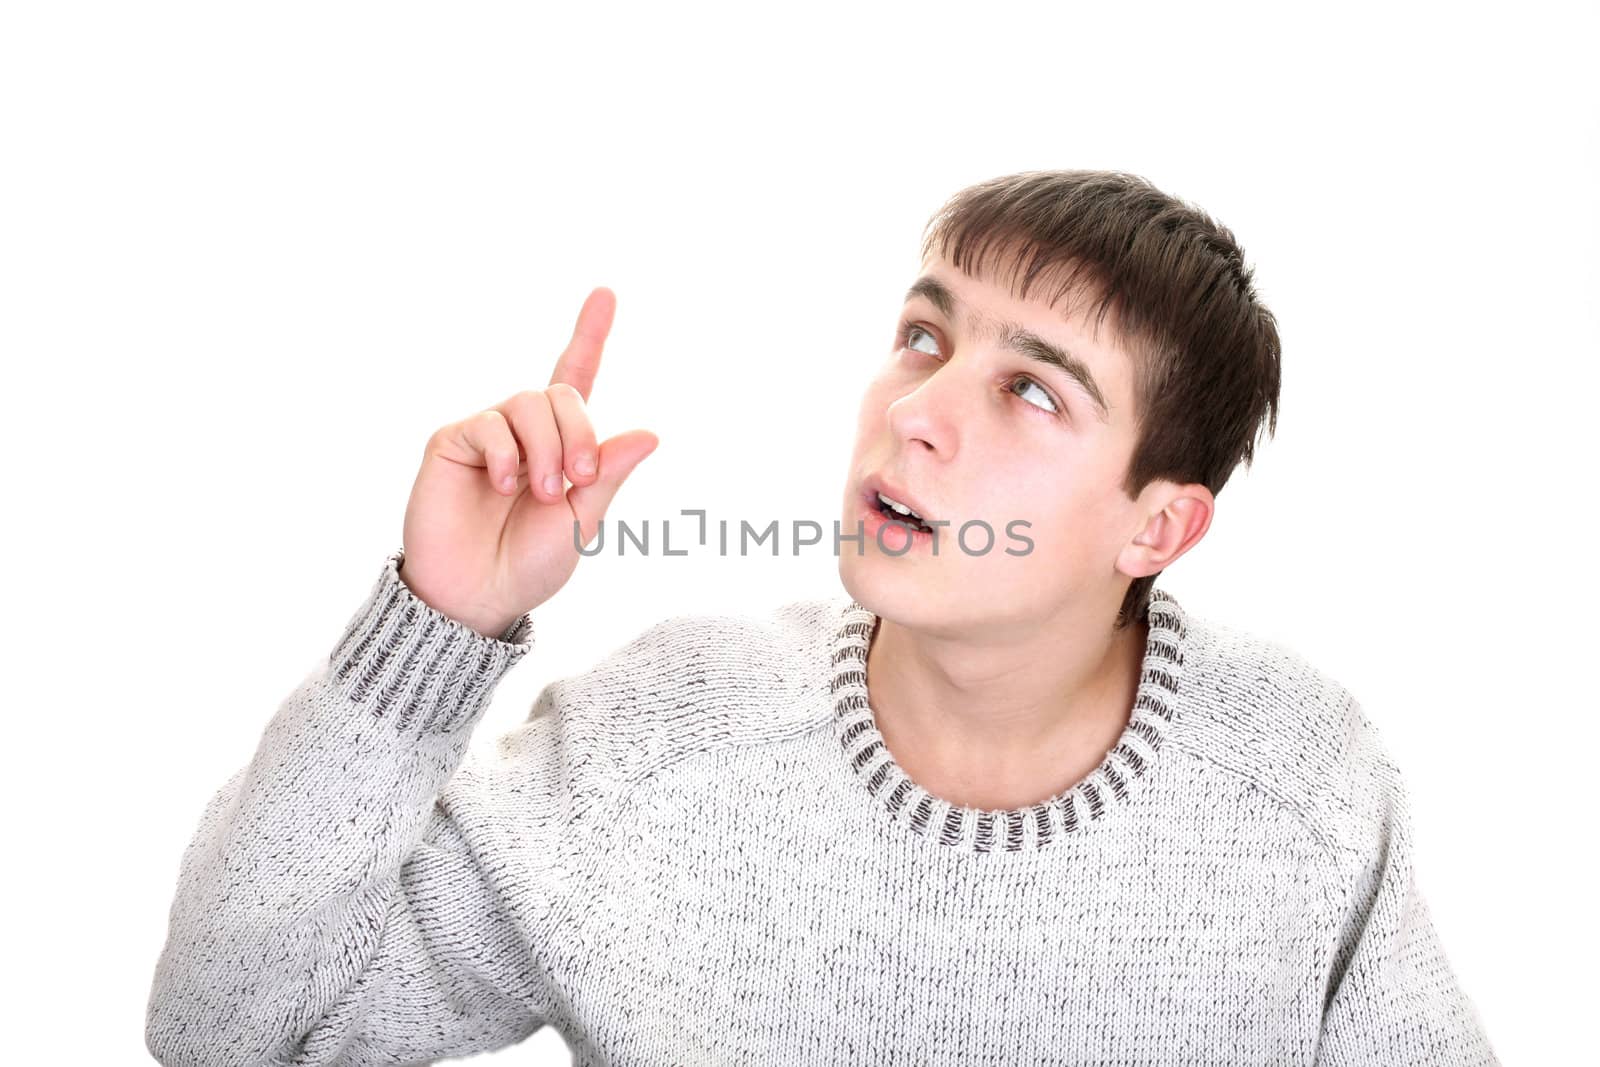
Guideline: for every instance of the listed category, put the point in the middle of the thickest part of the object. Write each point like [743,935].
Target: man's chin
[909,595]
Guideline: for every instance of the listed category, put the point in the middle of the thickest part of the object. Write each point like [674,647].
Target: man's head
[1079,351]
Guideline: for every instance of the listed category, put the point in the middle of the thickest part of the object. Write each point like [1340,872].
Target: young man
[1063,820]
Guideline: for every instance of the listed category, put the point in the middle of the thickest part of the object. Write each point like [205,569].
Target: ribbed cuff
[416,668]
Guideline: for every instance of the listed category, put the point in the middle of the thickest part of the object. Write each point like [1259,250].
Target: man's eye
[912,332]
[1049,403]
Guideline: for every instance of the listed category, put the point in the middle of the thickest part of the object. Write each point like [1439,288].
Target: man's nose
[931,413]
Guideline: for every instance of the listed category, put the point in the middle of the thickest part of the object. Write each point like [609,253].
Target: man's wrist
[494,627]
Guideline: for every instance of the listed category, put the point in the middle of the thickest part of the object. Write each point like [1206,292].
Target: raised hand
[488,528]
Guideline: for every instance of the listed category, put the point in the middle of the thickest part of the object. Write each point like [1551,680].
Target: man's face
[966,428]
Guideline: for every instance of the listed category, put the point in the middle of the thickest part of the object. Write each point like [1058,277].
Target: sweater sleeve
[1392,998]
[329,909]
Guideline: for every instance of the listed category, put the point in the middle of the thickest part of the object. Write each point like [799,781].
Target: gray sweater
[700,851]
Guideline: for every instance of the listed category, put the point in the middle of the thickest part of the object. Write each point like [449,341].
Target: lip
[875,484]
[877,527]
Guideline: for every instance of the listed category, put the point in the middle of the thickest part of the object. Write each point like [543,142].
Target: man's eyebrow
[1023,342]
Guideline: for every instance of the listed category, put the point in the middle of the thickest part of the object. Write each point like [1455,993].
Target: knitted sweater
[701,851]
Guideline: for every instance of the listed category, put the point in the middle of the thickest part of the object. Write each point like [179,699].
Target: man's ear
[1177,517]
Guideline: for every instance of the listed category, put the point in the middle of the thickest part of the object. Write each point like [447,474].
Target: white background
[252,256]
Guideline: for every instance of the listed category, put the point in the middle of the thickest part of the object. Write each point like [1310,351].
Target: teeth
[896,505]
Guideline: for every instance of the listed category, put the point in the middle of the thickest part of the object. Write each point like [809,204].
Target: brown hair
[1205,350]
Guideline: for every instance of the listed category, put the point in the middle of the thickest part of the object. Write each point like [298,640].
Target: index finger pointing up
[580,361]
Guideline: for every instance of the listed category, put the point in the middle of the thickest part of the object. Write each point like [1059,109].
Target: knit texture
[700,850]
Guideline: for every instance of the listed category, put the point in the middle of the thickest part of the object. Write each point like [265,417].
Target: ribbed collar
[1116,781]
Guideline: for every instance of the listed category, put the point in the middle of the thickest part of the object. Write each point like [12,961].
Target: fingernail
[552,484]
[584,465]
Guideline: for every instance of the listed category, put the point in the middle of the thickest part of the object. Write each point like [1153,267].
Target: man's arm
[1392,998]
[329,909]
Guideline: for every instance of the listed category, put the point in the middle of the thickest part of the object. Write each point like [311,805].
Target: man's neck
[990,724]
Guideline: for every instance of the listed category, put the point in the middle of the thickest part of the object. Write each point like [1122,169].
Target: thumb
[619,455]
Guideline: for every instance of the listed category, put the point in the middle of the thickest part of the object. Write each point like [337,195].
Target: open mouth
[894,510]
